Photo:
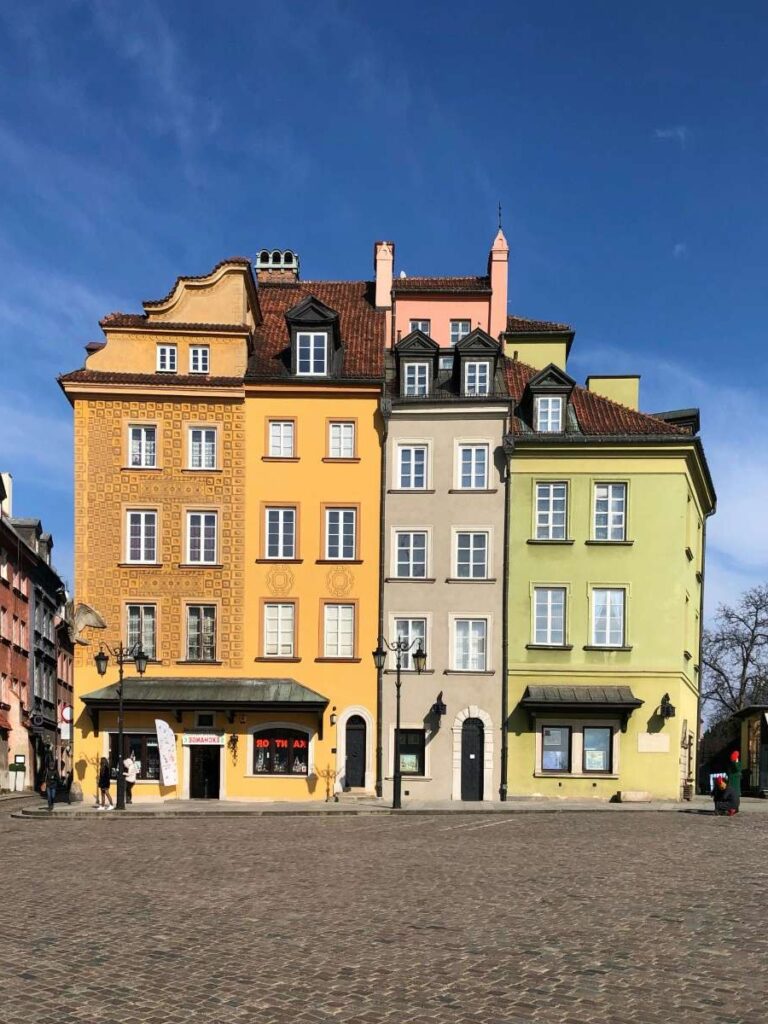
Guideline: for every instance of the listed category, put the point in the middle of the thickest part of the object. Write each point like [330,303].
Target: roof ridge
[240,260]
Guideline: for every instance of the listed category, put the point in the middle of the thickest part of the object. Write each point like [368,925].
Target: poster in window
[555,761]
[552,737]
[596,760]
[409,764]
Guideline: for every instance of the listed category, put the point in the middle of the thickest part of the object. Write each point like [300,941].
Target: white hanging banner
[166,745]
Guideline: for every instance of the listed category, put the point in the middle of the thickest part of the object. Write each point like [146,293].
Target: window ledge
[409,778]
[351,661]
[409,672]
[200,565]
[202,469]
[278,561]
[473,490]
[280,775]
[411,490]
[549,647]
[338,561]
[139,565]
[548,540]
[410,579]
[574,775]
[142,469]
[268,659]
[199,661]
[470,579]
[610,543]
[468,672]
[280,458]
[341,458]
[605,647]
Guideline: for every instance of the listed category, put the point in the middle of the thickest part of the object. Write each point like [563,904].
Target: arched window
[277,258]
[288,258]
[280,751]
[264,256]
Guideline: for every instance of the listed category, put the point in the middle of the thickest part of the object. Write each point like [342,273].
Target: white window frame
[146,439]
[280,513]
[332,645]
[341,439]
[284,621]
[461,446]
[412,446]
[611,593]
[167,358]
[205,517]
[205,444]
[546,421]
[425,326]
[457,332]
[577,727]
[144,608]
[144,514]
[310,338]
[611,513]
[411,533]
[200,354]
[342,513]
[477,367]
[473,533]
[543,599]
[456,664]
[203,618]
[545,527]
[282,446]
[416,388]
[406,657]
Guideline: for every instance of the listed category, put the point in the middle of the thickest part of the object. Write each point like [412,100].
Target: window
[144,748]
[470,645]
[412,467]
[3,565]
[549,616]
[459,329]
[340,528]
[341,441]
[410,630]
[143,448]
[473,467]
[281,532]
[411,554]
[201,537]
[556,748]
[3,624]
[598,748]
[201,632]
[416,380]
[279,630]
[477,378]
[202,448]
[281,439]
[199,359]
[425,326]
[412,746]
[610,511]
[608,618]
[142,628]
[166,358]
[205,720]
[551,511]
[142,536]
[339,631]
[312,348]
[471,555]
[280,752]
[549,413]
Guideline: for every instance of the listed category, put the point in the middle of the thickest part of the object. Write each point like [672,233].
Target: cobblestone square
[558,917]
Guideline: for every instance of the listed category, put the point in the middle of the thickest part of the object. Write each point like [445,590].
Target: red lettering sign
[299,744]
[262,743]
[281,743]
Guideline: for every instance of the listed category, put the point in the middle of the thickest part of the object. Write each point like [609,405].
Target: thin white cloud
[679,133]
[680,250]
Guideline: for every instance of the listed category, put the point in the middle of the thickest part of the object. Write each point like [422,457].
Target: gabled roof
[552,378]
[242,261]
[478,340]
[453,285]
[522,325]
[417,343]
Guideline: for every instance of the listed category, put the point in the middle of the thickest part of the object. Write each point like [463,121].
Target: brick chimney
[498,272]
[383,264]
[277,265]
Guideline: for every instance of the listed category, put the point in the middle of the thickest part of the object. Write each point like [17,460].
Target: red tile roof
[159,379]
[596,415]
[456,285]
[242,261]
[141,320]
[522,325]
[361,326]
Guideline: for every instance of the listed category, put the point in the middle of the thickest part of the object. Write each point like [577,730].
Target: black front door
[472,744]
[204,773]
[354,770]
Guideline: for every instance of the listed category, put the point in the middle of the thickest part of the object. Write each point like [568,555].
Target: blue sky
[626,143]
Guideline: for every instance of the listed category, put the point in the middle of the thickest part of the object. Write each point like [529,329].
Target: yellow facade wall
[126,352]
[537,353]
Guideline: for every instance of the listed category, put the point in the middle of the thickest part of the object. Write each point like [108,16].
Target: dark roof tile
[142,321]
[160,379]
[523,325]
[456,285]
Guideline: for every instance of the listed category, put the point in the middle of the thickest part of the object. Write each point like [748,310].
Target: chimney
[622,388]
[6,494]
[277,265]
[498,272]
[383,263]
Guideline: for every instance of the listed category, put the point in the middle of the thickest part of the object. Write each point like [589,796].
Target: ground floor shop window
[280,752]
[577,749]
[556,748]
[144,748]
[598,748]
[412,752]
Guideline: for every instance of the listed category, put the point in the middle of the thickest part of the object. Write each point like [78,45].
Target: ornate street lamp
[121,654]
[399,647]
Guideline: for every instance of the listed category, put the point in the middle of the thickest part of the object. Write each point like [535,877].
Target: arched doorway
[354,766]
[472,756]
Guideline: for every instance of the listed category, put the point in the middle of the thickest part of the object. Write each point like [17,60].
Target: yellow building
[227,481]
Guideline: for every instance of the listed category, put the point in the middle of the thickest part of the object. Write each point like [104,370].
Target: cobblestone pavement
[566,918]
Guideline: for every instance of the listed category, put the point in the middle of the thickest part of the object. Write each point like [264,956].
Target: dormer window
[415,380]
[549,414]
[476,378]
[312,353]
[425,326]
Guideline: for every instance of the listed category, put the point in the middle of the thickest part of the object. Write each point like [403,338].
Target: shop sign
[202,739]
[166,748]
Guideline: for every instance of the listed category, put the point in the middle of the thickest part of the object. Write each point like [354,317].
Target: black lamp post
[121,654]
[399,647]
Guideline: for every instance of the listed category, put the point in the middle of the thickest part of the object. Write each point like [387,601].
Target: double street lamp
[399,647]
[121,654]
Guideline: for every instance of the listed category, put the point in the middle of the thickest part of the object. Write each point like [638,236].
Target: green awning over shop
[580,700]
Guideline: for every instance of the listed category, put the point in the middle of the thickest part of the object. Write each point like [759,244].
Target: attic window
[549,414]
[477,378]
[416,380]
[277,259]
[311,353]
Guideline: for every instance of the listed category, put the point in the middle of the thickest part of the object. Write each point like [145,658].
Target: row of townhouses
[275,477]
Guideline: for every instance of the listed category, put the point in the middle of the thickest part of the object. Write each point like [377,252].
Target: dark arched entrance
[472,751]
[354,767]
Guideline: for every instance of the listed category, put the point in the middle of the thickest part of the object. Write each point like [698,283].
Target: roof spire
[499,215]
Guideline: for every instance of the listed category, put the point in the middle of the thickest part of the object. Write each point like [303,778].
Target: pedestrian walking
[726,798]
[734,773]
[51,781]
[131,774]
[105,780]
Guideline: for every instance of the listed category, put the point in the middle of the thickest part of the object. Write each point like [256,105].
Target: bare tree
[735,655]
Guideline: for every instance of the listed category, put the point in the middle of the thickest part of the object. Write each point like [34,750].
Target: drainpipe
[697,764]
[385,408]
[508,446]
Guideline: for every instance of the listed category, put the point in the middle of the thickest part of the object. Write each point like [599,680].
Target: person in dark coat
[734,773]
[51,780]
[726,798]
[105,780]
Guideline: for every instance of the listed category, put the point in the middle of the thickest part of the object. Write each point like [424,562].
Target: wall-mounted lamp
[666,708]
[333,717]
